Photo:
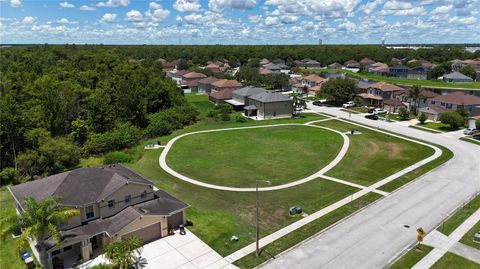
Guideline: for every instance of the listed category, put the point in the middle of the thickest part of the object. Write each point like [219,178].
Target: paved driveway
[376,235]
[176,252]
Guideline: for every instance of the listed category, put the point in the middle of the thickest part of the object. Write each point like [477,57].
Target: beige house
[114,203]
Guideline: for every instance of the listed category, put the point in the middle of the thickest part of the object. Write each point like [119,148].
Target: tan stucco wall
[281,109]
[140,223]
[119,196]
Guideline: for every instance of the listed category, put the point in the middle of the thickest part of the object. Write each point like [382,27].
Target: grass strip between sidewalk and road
[455,220]
[470,140]
[411,257]
[307,231]
[433,131]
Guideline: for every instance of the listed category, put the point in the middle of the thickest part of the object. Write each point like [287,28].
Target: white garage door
[147,233]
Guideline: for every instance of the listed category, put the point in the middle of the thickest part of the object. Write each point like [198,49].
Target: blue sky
[240,21]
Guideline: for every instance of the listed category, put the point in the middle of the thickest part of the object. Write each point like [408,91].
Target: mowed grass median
[373,156]
[237,158]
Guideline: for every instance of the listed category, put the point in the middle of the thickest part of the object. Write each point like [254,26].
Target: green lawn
[373,156]
[237,158]
[303,233]
[453,261]
[467,239]
[397,183]
[411,258]
[200,102]
[217,215]
[433,131]
[404,81]
[448,226]
[470,140]
[9,257]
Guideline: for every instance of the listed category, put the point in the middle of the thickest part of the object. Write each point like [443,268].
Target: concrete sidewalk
[443,244]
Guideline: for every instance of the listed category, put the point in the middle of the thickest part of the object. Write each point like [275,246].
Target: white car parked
[379,111]
[349,104]
[470,131]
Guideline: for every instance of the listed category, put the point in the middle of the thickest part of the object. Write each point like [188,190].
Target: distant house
[191,76]
[400,71]
[240,97]
[377,92]
[205,85]
[279,61]
[296,86]
[433,112]
[312,80]
[454,100]
[393,105]
[366,62]
[219,97]
[226,84]
[277,68]
[115,203]
[380,70]
[169,66]
[420,72]
[312,64]
[423,100]
[217,66]
[351,64]
[269,105]
[264,61]
[456,77]
[335,66]
[264,71]
[177,75]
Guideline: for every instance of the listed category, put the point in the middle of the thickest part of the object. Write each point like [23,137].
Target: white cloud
[442,9]
[399,8]
[114,3]
[134,16]
[254,18]
[187,5]
[287,19]
[66,21]
[270,21]
[87,8]
[66,5]
[28,20]
[370,6]
[15,3]
[219,5]
[158,15]
[154,5]
[108,18]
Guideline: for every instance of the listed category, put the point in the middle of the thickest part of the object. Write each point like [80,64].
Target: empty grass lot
[217,215]
[373,156]
[411,258]
[237,158]
[453,261]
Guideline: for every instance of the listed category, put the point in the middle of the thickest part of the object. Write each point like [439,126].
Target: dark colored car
[371,116]
[317,103]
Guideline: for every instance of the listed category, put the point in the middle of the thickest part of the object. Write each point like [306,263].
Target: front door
[94,242]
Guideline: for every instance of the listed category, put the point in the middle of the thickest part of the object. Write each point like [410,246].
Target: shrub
[117,157]
[422,118]
[9,175]
[403,114]
[453,119]
[221,112]
[164,122]
[477,124]
[240,118]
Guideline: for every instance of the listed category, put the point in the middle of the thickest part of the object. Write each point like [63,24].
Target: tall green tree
[340,89]
[414,94]
[38,221]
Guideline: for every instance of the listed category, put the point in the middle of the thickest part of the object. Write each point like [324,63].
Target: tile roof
[315,78]
[226,83]
[81,186]
[263,71]
[222,95]
[428,94]
[194,75]
[393,102]
[459,98]
[367,61]
[208,80]
[385,87]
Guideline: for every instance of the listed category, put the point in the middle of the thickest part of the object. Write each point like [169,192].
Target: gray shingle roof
[165,204]
[81,186]
[270,97]
[456,75]
[249,91]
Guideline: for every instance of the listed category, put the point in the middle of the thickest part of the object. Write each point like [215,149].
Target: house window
[67,248]
[432,102]
[111,203]
[442,103]
[128,199]
[55,252]
[89,212]
[143,195]
[449,105]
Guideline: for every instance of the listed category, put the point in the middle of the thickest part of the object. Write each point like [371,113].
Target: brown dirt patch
[394,150]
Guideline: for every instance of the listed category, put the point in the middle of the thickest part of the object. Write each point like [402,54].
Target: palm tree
[126,253]
[38,221]
[415,93]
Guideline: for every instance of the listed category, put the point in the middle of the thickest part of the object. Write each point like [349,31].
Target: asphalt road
[377,235]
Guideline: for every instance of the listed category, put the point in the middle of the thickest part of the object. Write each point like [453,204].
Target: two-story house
[240,97]
[451,102]
[377,92]
[269,105]
[420,72]
[114,203]
[313,83]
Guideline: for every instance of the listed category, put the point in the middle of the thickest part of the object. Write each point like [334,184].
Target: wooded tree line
[325,54]
[59,103]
